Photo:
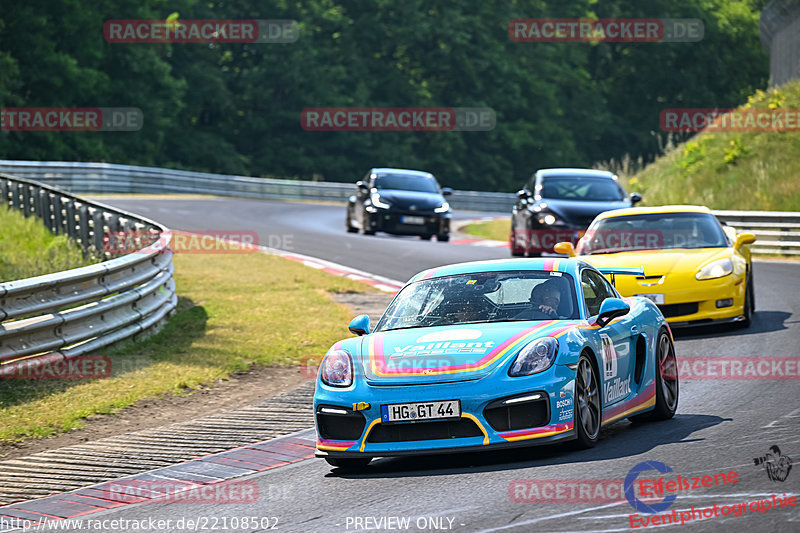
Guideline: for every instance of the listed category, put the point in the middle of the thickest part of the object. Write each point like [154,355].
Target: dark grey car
[559,203]
[402,202]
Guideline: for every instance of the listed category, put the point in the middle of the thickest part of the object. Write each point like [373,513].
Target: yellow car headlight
[716,269]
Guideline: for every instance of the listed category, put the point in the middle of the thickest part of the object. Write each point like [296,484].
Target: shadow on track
[763,322]
[620,439]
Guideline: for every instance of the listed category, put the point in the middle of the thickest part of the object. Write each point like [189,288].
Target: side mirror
[635,198]
[610,309]
[523,194]
[745,238]
[565,248]
[362,186]
[359,325]
[447,191]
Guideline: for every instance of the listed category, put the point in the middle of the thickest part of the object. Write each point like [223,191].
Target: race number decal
[609,356]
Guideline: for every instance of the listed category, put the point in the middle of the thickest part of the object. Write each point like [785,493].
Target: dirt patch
[371,303]
[241,389]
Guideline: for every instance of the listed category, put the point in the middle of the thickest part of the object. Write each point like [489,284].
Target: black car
[403,202]
[559,203]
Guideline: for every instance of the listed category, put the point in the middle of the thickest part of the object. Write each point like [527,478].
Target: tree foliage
[235,108]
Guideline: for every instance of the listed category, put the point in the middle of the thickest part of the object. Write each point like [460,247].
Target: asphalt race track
[721,425]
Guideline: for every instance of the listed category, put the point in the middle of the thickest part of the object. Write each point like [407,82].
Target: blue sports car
[494,354]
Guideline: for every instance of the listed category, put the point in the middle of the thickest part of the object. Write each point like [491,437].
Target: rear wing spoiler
[622,271]
[614,272]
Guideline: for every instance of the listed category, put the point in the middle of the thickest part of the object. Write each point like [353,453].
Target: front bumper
[690,302]
[391,221]
[473,431]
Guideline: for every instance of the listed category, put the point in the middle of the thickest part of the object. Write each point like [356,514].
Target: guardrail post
[46,209]
[69,210]
[19,197]
[4,192]
[58,215]
[98,229]
[83,227]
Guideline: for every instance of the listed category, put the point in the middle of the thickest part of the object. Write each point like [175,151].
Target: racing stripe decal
[366,433]
[333,445]
[647,398]
[377,355]
[537,433]
[480,426]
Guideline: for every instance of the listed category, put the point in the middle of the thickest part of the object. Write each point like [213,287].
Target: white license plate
[657,299]
[420,411]
[413,220]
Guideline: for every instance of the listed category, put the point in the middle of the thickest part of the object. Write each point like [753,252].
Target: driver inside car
[545,299]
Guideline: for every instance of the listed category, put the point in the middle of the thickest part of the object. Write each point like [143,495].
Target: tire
[349,463]
[349,224]
[667,386]
[443,238]
[749,304]
[588,407]
[366,226]
[425,237]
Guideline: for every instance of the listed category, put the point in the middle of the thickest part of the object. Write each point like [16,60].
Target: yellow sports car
[696,270]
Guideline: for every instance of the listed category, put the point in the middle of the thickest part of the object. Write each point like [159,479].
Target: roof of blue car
[401,171]
[587,172]
[557,264]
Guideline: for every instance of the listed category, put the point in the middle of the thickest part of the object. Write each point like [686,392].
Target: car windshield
[481,297]
[406,182]
[653,231]
[580,188]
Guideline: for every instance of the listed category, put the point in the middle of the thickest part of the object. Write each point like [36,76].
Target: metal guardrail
[66,314]
[778,232]
[100,178]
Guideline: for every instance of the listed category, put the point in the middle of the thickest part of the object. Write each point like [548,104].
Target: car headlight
[535,357]
[716,269]
[548,219]
[444,208]
[378,202]
[337,369]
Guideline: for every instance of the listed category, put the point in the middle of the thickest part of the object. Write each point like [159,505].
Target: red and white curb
[379,282]
[470,241]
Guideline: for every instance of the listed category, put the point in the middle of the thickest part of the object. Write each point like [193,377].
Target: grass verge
[29,249]
[496,230]
[236,310]
[731,170]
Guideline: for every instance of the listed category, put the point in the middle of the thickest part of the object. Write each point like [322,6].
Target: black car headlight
[546,219]
[378,202]
[535,357]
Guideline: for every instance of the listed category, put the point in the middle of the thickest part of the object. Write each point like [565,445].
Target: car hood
[581,213]
[657,263]
[447,353]
[412,200]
